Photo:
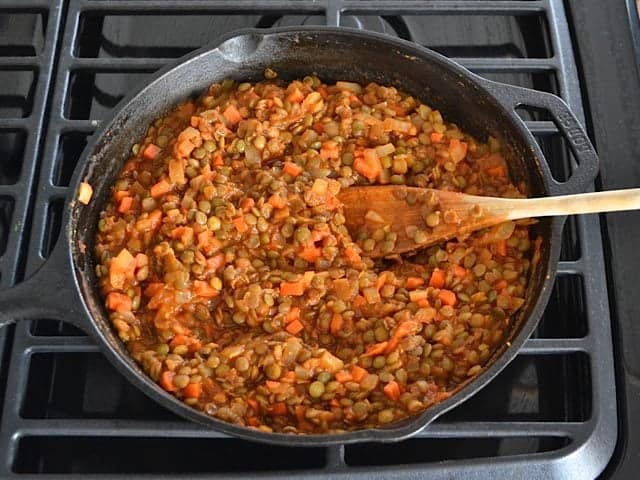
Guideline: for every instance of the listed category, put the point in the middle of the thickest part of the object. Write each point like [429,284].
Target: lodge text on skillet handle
[48,294]
[570,128]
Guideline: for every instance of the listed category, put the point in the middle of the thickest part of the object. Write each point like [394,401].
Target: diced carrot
[176,171]
[119,302]
[406,328]
[125,205]
[369,164]
[436,137]
[330,150]
[310,254]
[459,271]
[277,201]
[166,381]
[272,385]
[120,194]
[184,148]
[335,326]
[160,188]
[457,150]
[232,115]
[359,301]
[296,96]
[253,403]
[343,377]
[392,390]
[501,248]
[438,278]
[292,169]
[151,151]
[423,303]
[300,410]
[216,262]
[253,422]
[293,314]
[204,289]
[375,349]
[293,289]
[496,171]
[179,339]
[358,373]
[247,204]
[193,390]
[218,161]
[279,408]
[501,285]
[240,224]
[414,282]
[352,255]
[448,297]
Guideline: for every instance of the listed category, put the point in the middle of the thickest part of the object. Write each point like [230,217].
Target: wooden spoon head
[394,219]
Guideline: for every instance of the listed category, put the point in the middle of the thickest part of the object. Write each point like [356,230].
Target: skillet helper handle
[570,128]
[48,294]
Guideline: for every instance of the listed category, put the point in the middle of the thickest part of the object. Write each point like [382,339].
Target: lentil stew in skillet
[228,271]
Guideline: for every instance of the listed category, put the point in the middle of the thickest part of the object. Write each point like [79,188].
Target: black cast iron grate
[66,411]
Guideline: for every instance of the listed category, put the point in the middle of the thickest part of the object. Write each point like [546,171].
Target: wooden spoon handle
[610,201]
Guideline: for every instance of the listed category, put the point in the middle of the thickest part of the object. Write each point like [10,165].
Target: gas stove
[557,411]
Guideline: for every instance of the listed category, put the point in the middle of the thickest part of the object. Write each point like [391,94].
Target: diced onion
[85,193]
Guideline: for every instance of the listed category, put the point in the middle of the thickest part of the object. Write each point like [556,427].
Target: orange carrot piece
[293,289]
[329,150]
[232,115]
[253,422]
[292,169]
[247,204]
[501,248]
[310,254]
[240,224]
[277,201]
[216,262]
[459,271]
[121,268]
[343,377]
[375,349]
[119,302]
[151,151]
[414,282]
[358,373]
[448,297]
[279,408]
[272,385]
[193,390]
[203,289]
[296,96]
[166,381]
[438,278]
[160,189]
[369,164]
[294,314]
[392,390]
[436,137]
[125,205]
[336,324]
[352,255]
[497,171]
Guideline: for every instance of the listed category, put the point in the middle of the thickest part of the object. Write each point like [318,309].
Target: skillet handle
[50,293]
[573,132]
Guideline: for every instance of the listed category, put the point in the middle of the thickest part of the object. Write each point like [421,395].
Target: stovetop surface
[64,65]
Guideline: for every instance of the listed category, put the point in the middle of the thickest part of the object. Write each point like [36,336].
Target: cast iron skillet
[66,288]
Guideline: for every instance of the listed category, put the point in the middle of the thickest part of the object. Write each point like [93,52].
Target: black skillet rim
[407,427]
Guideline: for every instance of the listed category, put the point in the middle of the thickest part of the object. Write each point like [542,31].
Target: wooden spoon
[422,216]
